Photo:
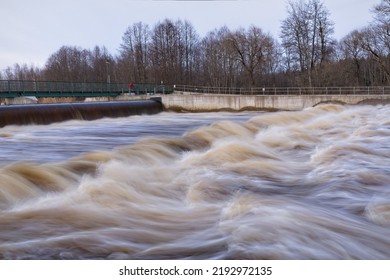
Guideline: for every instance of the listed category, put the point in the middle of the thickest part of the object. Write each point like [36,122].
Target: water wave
[312,184]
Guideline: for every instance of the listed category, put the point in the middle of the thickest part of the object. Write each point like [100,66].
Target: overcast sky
[32,30]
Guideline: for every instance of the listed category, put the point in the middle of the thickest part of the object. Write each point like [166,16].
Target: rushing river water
[313,184]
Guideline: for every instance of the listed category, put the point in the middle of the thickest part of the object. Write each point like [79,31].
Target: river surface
[313,184]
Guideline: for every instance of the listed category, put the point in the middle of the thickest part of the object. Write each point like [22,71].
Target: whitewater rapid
[312,184]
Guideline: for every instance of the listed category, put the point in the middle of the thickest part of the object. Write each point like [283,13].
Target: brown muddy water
[313,184]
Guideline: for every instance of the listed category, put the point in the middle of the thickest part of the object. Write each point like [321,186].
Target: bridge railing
[31,87]
[285,90]
[46,86]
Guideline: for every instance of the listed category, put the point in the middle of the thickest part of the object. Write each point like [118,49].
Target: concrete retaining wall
[208,102]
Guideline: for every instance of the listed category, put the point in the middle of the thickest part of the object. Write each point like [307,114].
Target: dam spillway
[50,113]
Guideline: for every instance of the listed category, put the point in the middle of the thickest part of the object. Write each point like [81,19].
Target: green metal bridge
[20,88]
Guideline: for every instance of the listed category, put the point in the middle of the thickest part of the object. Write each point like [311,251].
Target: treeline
[172,52]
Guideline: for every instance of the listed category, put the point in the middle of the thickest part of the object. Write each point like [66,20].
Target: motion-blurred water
[313,184]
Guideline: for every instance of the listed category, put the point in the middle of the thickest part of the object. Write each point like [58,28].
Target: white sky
[32,30]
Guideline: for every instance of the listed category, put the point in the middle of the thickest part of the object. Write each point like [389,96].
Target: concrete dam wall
[214,102]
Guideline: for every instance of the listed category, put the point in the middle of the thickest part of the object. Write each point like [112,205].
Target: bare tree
[307,36]
[248,50]
[164,52]
[67,64]
[134,52]
[352,51]
[100,65]
[74,64]
[219,65]
[376,37]
[382,15]
[188,50]
[254,50]
[22,72]
[372,42]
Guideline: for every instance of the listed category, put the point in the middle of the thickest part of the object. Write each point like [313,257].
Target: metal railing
[379,90]
[23,86]
[12,88]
